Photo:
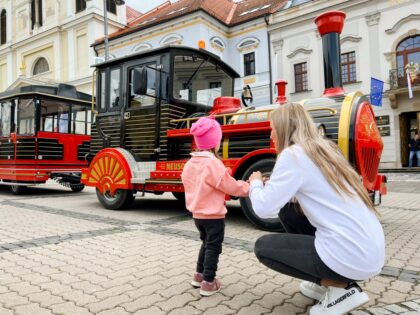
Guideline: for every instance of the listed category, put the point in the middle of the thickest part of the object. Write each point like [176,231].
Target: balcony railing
[398,79]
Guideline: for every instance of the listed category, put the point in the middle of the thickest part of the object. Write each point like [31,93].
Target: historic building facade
[234,30]
[48,41]
[380,39]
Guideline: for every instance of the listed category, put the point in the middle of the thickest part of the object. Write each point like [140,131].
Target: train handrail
[331,111]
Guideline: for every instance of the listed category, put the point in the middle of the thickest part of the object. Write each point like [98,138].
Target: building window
[217,43]
[172,39]
[348,67]
[249,64]
[41,66]
[301,77]
[142,47]
[408,51]
[215,85]
[36,13]
[111,6]
[248,43]
[3,27]
[80,5]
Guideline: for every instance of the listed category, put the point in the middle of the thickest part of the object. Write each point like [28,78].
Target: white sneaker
[338,301]
[312,290]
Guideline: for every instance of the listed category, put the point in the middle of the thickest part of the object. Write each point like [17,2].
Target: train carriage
[44,134]
[147,102]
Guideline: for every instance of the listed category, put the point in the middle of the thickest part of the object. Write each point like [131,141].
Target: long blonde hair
[293,125]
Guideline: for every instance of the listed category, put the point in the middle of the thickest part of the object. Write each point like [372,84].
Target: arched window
[217,43]
[172,39]
[408,51]
[142,47]
[41,66]
[248,43]
[3,27]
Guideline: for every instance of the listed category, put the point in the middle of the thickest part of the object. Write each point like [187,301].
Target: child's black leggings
[212,232]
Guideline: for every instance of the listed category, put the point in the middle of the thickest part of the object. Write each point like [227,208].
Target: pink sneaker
[197,279]
[210,288]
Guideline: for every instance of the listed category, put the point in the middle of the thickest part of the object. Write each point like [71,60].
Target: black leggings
[212,233]
[293,253]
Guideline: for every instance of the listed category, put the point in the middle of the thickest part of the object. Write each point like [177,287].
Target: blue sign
[376,88]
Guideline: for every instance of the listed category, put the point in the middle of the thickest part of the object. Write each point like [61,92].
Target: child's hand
[256,176]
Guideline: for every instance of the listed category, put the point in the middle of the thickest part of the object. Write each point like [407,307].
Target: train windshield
[199,80]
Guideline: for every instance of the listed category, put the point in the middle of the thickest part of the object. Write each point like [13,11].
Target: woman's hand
[256,176]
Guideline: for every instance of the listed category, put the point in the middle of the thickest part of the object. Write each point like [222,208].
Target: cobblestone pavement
[61,253]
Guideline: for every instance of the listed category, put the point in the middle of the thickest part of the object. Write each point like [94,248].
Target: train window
[54,116]
[200,81]
[26,117]
[115,88]
[5,118]
[102,88]
[149,98]
[80,121]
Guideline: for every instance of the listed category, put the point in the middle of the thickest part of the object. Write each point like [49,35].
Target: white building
[48,41]
[235,31]
[378,40]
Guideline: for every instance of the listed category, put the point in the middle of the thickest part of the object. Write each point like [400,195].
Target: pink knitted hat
[207,133]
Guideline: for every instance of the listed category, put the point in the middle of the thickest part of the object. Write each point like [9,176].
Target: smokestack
[330,25]
[281,92]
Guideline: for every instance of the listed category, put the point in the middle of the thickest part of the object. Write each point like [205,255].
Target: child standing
[206,182]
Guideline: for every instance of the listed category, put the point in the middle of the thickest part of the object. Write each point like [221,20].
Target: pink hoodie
[206,182]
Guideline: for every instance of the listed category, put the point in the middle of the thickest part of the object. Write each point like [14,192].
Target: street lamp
[117,2]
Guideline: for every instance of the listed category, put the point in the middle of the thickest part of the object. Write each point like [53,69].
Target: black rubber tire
[265,166]
[17,189]
[121,200]
[180,196]
[77,188]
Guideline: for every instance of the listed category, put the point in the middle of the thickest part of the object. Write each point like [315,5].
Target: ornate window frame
[171,39]
[37,60]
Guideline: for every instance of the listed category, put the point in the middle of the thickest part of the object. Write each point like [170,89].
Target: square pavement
[62,253]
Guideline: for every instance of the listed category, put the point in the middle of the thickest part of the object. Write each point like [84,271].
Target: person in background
[206,182]
[414,146]
[337,238]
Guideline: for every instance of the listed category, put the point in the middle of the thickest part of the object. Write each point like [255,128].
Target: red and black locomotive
[147,102]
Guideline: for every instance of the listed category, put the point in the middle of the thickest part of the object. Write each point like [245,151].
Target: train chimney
[281,92]
[330,25]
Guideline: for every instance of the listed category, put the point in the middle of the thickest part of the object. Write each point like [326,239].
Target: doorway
[409,125]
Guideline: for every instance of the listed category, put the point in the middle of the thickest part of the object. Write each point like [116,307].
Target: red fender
[108,171]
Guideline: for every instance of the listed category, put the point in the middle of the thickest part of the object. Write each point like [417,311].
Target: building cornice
[39,36]
[298,51]
[350,38]
[411,17]
[309,11]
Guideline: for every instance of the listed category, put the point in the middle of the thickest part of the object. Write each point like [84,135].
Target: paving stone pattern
[61,253]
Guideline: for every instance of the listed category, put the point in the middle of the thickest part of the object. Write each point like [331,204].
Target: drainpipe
[267,22]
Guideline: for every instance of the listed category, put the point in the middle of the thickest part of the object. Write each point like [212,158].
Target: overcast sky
[143,5]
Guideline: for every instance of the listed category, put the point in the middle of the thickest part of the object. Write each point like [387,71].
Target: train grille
[175,149]
[7,150]
[82,150]
[244,144]
[111,127]
[25,149]
[140,134]
[50,149]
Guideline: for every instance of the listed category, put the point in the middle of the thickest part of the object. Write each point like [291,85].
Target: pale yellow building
[49,41]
